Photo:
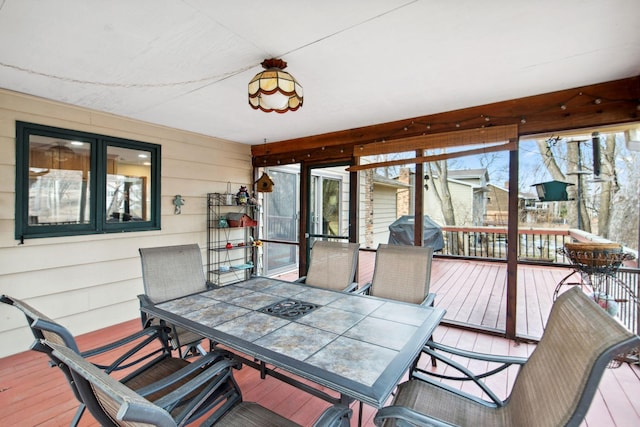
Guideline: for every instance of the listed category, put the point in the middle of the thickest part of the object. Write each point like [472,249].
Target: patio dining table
[356,345]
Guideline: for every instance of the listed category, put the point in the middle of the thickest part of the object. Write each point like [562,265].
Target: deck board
[474,292]
[33,394]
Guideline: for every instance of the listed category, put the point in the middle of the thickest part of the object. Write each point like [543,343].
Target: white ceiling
[186,64]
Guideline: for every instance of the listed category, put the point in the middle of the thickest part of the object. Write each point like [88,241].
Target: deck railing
[491,242]
[541,246]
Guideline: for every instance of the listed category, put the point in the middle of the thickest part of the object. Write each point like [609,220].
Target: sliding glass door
[281,222]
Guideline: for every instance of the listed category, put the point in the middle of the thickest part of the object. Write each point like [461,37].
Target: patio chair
[144,356]
[553,387]
[114,404]
[170,272]
[332,266]
[402,273]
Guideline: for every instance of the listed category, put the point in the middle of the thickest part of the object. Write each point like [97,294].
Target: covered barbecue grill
[401,232]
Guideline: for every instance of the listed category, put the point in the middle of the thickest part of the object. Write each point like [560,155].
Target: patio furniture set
[322,333]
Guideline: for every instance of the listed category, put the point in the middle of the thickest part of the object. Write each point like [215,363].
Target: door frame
[296,172]
[305,204]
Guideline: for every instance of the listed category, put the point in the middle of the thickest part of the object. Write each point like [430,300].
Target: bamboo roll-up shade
[511,145]
[439,140]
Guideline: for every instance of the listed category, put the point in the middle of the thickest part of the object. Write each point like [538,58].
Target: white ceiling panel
[186,64]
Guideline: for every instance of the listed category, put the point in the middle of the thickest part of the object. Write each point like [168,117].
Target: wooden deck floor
[32,394]
[474,292]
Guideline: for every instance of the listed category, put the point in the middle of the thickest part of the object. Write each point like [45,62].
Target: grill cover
[401,232]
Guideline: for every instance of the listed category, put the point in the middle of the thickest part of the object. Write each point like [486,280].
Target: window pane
[59,172]
[128,185]
[331,206]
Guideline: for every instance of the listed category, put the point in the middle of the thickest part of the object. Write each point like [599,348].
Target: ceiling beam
[508,146]
[452,139]
[602,104]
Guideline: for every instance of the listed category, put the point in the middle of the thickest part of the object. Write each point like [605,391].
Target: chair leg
[78,415]
[414,365]
[434,361]
[201,349]
[192,351]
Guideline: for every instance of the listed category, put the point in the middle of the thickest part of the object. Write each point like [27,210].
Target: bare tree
[574,175]
[443,194]
[609,186]
[440,170]
[549,159]
[623,224]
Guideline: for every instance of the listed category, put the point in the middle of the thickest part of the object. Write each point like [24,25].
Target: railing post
[512,249]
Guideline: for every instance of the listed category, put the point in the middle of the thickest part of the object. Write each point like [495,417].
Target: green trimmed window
[71,183]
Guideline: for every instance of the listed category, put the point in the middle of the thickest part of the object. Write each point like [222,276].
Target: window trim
[97,185]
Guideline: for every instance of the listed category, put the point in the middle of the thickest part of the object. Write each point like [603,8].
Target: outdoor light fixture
[274,89]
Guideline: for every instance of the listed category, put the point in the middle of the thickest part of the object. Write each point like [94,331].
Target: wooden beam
[512,246]
[305,175]
[440,140]
[435,157]
[602,104]
[418,211]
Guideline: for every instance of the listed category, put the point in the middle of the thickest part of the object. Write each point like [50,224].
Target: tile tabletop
[357,345]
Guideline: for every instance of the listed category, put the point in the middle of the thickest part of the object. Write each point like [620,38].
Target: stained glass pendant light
[274,89]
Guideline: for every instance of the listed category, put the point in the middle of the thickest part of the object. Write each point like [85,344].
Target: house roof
[389,182]
[462,176]
[472,185]
[186,64]
[498,187]
[469,174]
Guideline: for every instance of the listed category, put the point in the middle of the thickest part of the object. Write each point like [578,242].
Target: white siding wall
[384,213]
[462,196]
[364,208]
[344,203]
[432,206]
[89,282]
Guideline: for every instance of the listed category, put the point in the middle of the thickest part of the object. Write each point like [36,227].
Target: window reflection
[59,172]
[127,184]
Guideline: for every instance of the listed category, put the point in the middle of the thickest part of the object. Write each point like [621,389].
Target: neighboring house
[479,177]
[468,193]
[497,206]
[543,214]
[477,202]
[385,207]
[530,209]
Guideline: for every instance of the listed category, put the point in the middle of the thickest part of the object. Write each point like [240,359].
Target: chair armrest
[463,373]
[133,355]
[212,358]
[408,415]
[512,360]
[351,288]
[333,416]
[144,302]
[365,290]
[203,379]
[429,300]
[151,331]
